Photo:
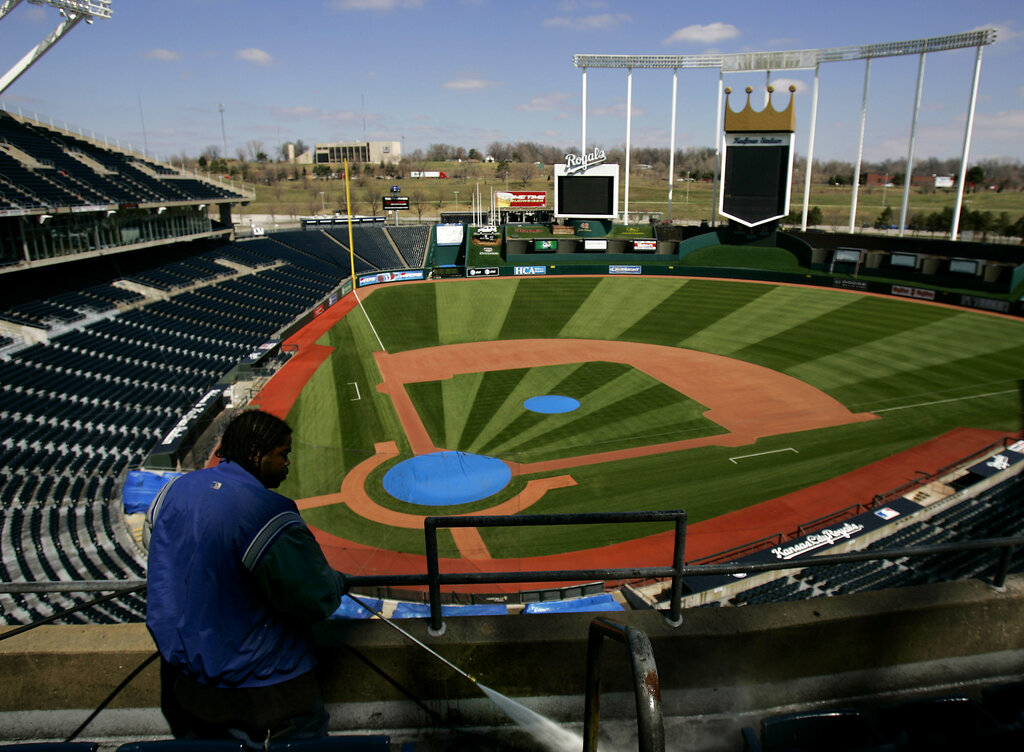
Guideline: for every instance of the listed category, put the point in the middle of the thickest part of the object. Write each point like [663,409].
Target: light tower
[71,11]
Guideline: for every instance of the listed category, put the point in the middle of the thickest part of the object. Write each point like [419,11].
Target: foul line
[358,396]
[761,454]
[941,402]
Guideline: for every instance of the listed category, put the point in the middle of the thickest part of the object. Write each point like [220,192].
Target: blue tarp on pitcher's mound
[444,478]
[551,404]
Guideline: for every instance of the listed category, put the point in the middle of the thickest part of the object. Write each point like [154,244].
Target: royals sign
[574,163]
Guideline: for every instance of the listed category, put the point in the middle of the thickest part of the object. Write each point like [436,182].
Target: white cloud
[469,84]
[781,86]
[597,22]
[545,102]
[166,56]
[254,55]
[377,5]
[1005,33]
[703,33]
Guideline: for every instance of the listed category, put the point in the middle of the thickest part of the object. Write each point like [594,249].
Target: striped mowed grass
[922,369]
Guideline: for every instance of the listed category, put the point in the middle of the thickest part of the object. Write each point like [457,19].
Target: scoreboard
[589,194]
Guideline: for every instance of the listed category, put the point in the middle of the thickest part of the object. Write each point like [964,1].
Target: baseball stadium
[779,466]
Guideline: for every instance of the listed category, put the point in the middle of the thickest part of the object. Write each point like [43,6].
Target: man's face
[274,465]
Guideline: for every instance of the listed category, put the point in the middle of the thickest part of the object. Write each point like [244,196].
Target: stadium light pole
[72,12]
[223,133]
[962,179]
[860,146]
[583,139]
[908,174]
[672,148]
[629,122]
[778,61]
[810,149]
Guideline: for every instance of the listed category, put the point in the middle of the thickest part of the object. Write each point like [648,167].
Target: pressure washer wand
[418,642]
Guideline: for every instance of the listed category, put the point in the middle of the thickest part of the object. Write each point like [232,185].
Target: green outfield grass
[923,369]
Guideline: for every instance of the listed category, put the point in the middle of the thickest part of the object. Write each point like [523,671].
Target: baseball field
[698,394]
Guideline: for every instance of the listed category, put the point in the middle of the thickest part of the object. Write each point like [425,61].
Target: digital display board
[589,194]
[451,234]
[757,170]
[396,202]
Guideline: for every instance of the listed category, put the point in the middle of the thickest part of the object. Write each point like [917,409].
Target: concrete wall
[723,668]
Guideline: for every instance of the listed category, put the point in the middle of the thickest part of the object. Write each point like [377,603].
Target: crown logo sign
[769,119]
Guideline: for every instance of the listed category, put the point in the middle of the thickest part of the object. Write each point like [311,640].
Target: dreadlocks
[249,436]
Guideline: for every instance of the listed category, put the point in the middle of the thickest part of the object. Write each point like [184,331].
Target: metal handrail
[646,685]
[435,578]
[1006,545]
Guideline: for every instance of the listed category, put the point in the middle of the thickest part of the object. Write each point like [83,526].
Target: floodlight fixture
[71,11]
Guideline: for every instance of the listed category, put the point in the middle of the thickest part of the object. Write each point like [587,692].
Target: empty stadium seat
[353,743]
[51,747]
[185,745]
[945,724]
[841,730]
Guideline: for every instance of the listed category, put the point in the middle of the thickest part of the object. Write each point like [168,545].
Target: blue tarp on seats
[141,487]
[603,602]
[349,609]
[422,610]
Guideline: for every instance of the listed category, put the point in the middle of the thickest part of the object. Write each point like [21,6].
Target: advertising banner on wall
[521,199]
[383,277]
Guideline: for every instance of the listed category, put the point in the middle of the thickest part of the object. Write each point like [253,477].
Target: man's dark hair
[250,435]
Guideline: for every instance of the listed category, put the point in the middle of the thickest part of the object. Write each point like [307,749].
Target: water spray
[544,730]
[430,650]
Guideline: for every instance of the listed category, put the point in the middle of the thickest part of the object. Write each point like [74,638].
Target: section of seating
[412,242]
[995,513]
[371,243]
[64,170]
[929,724]
[79,411]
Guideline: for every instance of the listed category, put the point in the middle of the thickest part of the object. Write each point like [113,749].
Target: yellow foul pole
[348,210]
[352,259]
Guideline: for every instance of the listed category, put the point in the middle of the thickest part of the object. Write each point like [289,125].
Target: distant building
[388,152]
[921,181]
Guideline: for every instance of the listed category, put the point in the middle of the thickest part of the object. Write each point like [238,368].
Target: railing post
[646,686]
[436,627]
[1005,554]
[675,609]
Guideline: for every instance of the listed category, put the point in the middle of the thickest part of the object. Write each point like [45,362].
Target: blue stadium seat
[941,724]
[842,730]
[185,745]
[354,743]
[51,747]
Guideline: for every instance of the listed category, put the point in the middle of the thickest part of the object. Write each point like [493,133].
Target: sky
[158,73]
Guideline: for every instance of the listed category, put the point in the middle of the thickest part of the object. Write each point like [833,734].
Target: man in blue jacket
[236,579]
